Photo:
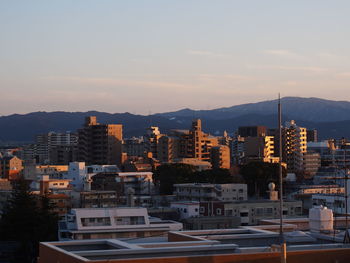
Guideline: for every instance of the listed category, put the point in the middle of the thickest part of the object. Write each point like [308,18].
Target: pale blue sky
[156,56]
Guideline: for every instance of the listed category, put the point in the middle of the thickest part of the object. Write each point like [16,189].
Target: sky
[149,56]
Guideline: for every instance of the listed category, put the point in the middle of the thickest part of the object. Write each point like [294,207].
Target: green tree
[27,220]
[257,176]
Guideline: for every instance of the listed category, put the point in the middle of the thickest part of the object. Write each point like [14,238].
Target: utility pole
[282,241]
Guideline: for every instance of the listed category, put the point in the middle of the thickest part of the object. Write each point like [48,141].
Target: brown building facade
[100,143]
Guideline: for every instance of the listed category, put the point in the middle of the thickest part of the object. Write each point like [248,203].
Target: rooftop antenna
[346,234]
[282,241]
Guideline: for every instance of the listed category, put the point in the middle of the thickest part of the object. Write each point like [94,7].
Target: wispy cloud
[343,75]
[327,55]
[205,53]
[290,68]
[118,82]
[230,77]
[283,53]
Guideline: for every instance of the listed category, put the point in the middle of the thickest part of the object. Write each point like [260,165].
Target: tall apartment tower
[46,143]
[200,142]
[100,143]
[220,157]
[151,139]
[260,149]
[294,146]
[252,131]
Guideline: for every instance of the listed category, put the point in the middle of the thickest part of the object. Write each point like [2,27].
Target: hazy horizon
[158,56]
[151,113]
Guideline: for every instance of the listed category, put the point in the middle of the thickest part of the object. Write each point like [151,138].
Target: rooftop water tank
[320,219]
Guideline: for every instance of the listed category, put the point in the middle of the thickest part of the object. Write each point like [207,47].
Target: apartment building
[294,146]
[151,141]
[220,157]
[43,151]
[100,143]
[11,167]
[260,149]
[210,192]
[96,223]
[252,211]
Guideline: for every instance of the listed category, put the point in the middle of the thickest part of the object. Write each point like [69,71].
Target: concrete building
[186,209]
[141,182]
[260,149]
[220,157]
[45,144]
[311,135]
[239,245]
[11,167]
[151,141]
[98,199]
[168,148]
[200,143]
[304,193]
[63,154]
[237,150]
[210,192]
[250,212]
[312,162]
[252,131]
[134,146]
[81,175]
[334,200]
[100,143]
[193,143]
[32,171]
[97,223]
[294,147]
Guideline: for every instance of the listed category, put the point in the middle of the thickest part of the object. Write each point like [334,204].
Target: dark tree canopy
[27,219]
[258,175]
[169,174]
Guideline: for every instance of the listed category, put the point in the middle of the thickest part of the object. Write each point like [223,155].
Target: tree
[214,176]
[167,175]
[257,176]
[27,220]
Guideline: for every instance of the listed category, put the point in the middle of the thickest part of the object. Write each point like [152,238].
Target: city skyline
[151,56]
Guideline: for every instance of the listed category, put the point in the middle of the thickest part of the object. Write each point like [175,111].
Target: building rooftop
[219,245]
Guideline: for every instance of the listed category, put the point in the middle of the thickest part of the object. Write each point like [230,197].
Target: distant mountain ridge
[331,118]
[310,109]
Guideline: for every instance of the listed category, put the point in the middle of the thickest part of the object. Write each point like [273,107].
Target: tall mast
[283,244]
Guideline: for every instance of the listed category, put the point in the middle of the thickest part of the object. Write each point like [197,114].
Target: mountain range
[330,118]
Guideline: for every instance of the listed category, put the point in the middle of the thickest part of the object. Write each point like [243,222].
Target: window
[99,221]
[259,211]
[269,210]
[129,220]
[218,211]
[202,209]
